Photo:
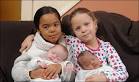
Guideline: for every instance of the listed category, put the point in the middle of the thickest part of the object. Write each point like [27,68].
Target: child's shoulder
[71,39]
[104,43]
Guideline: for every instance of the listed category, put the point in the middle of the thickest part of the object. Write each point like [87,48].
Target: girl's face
[84,27]
[50,27]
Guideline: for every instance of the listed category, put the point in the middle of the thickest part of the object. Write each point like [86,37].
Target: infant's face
[56,54]
[89,62]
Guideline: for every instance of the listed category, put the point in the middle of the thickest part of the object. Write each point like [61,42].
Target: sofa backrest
[12,33]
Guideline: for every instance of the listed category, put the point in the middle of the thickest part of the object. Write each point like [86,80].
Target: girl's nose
[83,29]
[52,29]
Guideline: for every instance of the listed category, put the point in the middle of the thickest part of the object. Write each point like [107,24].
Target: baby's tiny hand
[69,67]
[41,64]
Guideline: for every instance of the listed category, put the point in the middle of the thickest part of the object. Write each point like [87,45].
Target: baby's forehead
[88,54]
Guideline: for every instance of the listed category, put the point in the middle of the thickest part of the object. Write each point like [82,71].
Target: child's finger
[55,75]
[27,48]
[51,75]
[46,73]
[22,49]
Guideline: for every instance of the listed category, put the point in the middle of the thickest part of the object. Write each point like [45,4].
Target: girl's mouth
[53,36]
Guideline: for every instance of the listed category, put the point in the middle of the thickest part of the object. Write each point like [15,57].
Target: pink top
[105,53]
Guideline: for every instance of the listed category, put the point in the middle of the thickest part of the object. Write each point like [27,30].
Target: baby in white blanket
[90,65]
[56,54]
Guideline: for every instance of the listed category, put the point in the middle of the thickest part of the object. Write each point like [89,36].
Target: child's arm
[119,72]
[26,44]
[20,72]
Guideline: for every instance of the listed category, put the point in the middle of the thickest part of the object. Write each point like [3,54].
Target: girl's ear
[95,23]
[96,26]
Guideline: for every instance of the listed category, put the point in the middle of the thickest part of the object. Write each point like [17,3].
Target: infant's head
[57,53]
[88,61]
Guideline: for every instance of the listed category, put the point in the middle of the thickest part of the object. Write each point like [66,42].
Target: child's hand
[26,44]
[51,71]
[100,77]
[37,73]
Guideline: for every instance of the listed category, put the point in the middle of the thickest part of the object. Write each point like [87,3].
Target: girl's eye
[86,24]
[57,24]
[46,27]
[77,28]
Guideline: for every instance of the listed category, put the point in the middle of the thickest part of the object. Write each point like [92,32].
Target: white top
[20,71]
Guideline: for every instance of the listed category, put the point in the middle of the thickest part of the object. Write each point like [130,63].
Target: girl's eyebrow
[51,23]
[56,22]
[45,25]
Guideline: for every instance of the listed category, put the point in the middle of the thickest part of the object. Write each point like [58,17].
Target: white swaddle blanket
[83,74]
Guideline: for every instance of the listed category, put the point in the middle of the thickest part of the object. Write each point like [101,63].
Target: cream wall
[129,8]
[29,7]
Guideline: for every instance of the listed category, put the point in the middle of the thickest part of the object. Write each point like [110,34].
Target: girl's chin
[84,41]
[53,41]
